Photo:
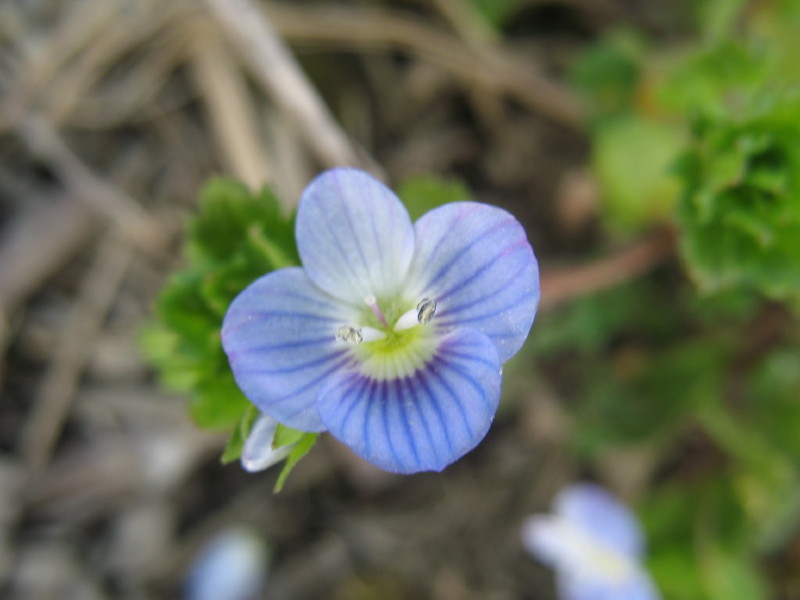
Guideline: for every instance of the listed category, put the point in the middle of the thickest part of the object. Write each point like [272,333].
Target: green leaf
[426,192]
[633,159]
[496,12]
[217,403]
[286,436]
[728,576]
[301,448]
[233,449]
[229,212]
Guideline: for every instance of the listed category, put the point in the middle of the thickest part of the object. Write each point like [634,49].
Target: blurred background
[649,148]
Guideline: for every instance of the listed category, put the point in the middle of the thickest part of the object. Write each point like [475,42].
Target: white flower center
[356,334]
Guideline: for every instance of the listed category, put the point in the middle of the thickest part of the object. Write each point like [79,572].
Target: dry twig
[383,30]
[73,348]
[568,283]
[277,70]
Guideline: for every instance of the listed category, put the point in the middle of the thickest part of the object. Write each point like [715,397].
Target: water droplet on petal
[426,309]
[349,334]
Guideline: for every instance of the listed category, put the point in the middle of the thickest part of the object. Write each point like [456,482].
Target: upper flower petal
[423,421]
[600,515]
[354,236]
[476,262]
[279,334]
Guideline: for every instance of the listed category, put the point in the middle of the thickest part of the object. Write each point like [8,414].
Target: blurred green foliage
[236,237]
[701,136]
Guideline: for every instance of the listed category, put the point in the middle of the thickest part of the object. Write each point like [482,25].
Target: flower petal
[600,515]
[476,262]
[232,566]
[424,421]
[354,236]
[636,586]
[258,453]
[279,335]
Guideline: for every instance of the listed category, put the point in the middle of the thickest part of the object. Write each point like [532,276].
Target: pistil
[372,302]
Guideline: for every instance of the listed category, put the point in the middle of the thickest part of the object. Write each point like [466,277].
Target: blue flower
[392,335]
[232,566]
[595,545]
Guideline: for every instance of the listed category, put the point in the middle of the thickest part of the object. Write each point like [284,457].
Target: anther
[423,313]
[426,309]
[349,334]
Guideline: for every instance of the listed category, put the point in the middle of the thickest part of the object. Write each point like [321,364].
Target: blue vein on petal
[472,382]
[342,253]
[354,386]
[311,384]
[437,409]
[488,264]
[494,313]
[414,393]
[403,383]
[281,345]
[462,307]
[456,257]
[354,231]
[443,382]
[294,368]
[460,216]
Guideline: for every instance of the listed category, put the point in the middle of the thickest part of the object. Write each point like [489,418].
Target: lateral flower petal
[476,262]
[422,421]
[354,236]
[279,337]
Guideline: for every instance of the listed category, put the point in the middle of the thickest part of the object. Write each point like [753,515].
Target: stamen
[423,313]
[351,334]
[372,302]
[425,310]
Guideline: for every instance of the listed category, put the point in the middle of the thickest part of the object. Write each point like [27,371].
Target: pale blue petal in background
[232,566]
[422,422]
[597,512]
[476,262]
[354,236]
[637,586]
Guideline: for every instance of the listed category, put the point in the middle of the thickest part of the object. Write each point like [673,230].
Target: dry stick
[73,348]
[277,70]
[131,219]
[569,283]
[35,243]
[382,30]
[231,110]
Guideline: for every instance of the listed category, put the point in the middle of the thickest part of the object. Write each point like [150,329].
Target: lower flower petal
[638,585]
[279,335]
[475,261]
[422,421]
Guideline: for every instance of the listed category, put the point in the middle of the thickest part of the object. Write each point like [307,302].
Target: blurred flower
[595,545]
[232,566]
[392,335]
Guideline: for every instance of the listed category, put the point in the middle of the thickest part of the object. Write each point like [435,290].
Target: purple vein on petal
[521,244]
[437,408]
[452,310]
[462,251]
